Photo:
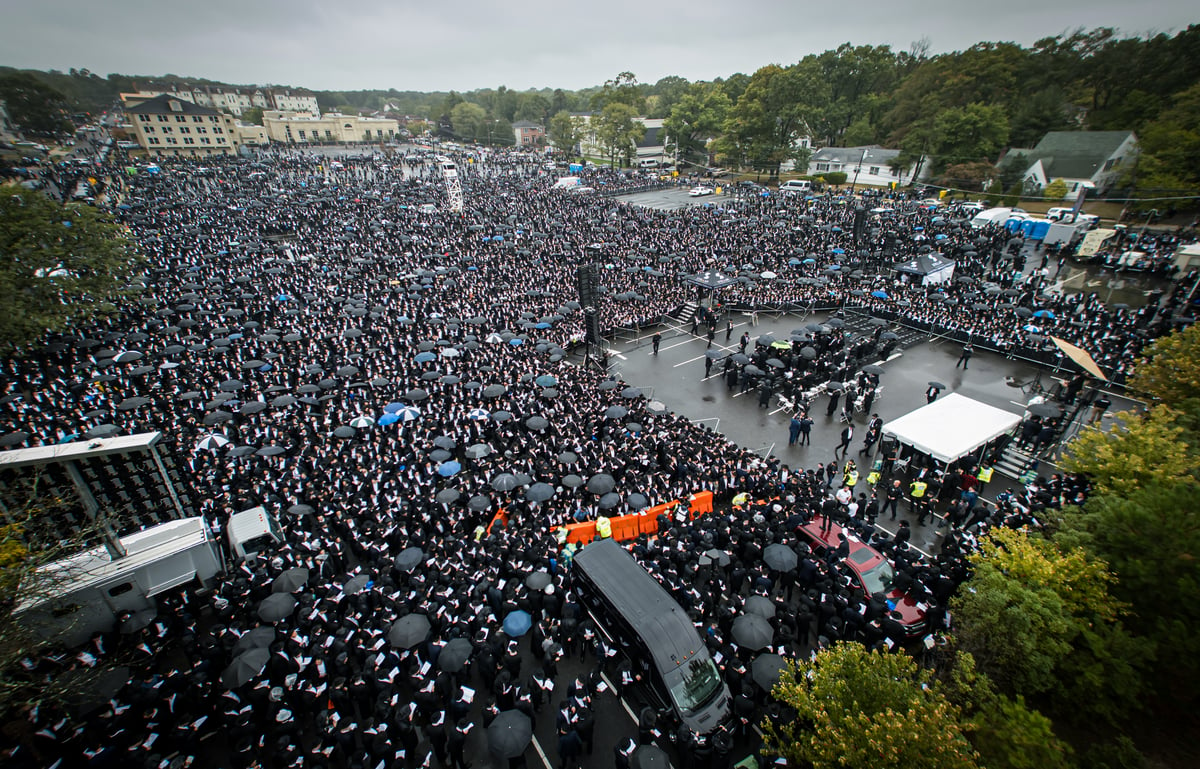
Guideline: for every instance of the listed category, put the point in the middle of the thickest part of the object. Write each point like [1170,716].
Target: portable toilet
[1036,228]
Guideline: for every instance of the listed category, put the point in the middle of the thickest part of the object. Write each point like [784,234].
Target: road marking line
[538,746]
[620,699]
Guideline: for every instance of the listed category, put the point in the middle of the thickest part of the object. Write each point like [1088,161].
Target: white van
[648,163]
[796,187]
[252,531]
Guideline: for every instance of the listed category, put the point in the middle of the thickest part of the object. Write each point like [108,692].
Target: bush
[835,178]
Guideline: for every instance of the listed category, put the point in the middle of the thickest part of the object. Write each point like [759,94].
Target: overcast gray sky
[434,45]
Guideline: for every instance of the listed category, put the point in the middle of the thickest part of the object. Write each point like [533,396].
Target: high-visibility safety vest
[984,475]
[852,478]
[918,489]
[603,527]
[873,477]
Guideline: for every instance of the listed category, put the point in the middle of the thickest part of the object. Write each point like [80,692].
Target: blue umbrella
[1044,314]
[794,262]
[809,261]
[393,407]
[879,294]
[68,438]
[389,419]
[282,298]
[517,623]
[541,325]
[479,414]
[939,236]
[447,469]
[516,341]
[425,357]
[546,380]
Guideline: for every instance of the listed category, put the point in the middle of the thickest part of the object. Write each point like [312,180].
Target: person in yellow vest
[916,495]
[850,474]
[603,527]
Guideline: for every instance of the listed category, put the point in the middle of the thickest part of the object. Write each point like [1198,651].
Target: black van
[641,619]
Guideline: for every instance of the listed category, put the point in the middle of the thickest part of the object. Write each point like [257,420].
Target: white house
[862,165]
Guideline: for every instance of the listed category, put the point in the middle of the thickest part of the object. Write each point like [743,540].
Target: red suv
[872,571]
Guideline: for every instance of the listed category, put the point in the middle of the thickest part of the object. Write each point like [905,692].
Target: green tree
[57,264]
[976,132]
[1170,368]
[972,177]
[762,128]
[1138,452]
[622,89]
[1006,732]
[253,115]
[618,132]
[666,93]
[469,121]
[1055,190]
[1040,621]
[36,108]
[856,708]
[565,132]
[696,118]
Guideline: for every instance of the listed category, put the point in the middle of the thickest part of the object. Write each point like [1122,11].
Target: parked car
[700,191]
[872,572]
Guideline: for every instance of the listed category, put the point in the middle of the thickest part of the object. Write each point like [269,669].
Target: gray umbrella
[245,666]
[290,581]
[538,580]
[217,417]
[572,481]
[454,655]
[271,451]
[615,412]
[505,482]
[477,450]
[539,492]
[766,669]
[509,734]
[355,584]
[760,605]
[282,401]
[132,403]
[567,457]
[231,385]
[99,431]
[253,407]
[609,501]
[276,606]
[479,503]
[408,631]
[752,631]
[409,558]
[537,423]
[601,483]
[345,431]
[780,557]
[301,509]
[494,391]
[448,496]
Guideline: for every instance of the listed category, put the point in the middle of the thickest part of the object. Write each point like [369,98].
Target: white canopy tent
[951,427]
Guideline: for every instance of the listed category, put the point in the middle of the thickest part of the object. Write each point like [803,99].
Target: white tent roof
[951,427]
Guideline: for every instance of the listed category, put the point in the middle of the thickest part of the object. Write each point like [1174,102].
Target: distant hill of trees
[959,109]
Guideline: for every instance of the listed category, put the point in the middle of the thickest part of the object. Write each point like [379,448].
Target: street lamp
[858,168]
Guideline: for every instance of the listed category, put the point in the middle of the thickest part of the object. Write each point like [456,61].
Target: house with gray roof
[1091,160]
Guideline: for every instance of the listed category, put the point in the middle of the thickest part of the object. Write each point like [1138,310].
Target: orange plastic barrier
[632,526]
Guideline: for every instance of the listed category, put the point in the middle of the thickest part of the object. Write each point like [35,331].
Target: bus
[637,616]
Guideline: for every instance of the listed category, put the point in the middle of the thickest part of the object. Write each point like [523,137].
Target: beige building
[311,128]
[235,100]
[172,126]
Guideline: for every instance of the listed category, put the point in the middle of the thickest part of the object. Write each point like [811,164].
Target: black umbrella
[454,655]
[615,412]
[609,501]
[937,385]
[766,669]
[835,387]
[479,503]
[780,557]
[1046,410]
[760,605]
[231,385]
[260,637]
[572,481]
[244,667]
[409,558]
[276,606]
[448,496]
[649,757]
[601,483]
[752,631]
[253,407]
[408,631]
[873,369]
[509,733]
[290,581]
[355,584]
[344,431]
[539,492]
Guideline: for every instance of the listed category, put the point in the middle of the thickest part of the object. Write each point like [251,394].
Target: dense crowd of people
[408,371]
